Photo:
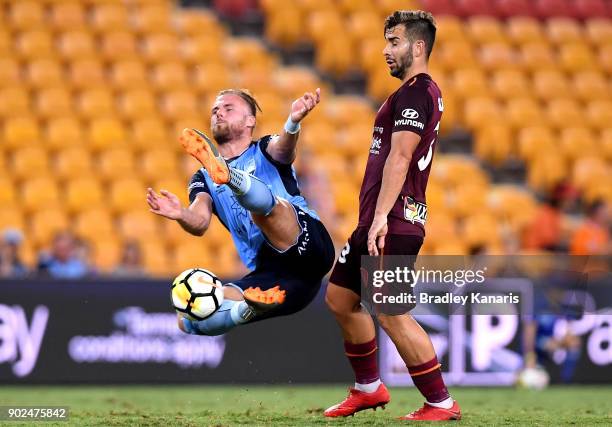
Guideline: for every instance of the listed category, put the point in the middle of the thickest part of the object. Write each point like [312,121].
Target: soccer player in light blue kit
[252,188]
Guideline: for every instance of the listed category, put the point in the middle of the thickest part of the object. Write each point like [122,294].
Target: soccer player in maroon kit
[392,214]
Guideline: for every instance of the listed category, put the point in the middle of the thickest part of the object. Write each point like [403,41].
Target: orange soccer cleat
[262,301]
[358,401]
[431,413]
[197,144]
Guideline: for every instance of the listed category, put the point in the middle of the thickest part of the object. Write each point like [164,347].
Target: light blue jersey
[281,179]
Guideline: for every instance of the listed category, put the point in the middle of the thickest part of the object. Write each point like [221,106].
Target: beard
[222,133]
[403,65]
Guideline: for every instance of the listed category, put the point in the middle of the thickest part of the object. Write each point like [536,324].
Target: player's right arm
[194,219]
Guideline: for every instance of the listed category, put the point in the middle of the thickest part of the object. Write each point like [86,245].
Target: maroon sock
[363,360]
[427,377]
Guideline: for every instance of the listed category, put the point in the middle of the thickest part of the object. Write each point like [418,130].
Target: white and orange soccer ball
[197,293]
[533,378]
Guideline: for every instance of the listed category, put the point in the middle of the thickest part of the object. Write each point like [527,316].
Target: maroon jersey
[417,107]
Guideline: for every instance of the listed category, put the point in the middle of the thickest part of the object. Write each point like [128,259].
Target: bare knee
[391,324]
[338,303]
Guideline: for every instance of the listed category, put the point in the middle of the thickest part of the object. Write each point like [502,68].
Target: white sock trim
[240,181]
[368,388]
[445,404]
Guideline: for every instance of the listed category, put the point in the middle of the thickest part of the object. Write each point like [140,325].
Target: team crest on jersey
[414,211]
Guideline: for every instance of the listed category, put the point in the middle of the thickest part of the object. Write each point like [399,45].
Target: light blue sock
[251,192]
[230,314]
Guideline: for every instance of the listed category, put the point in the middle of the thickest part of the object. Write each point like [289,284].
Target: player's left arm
[403,144]
[283,148]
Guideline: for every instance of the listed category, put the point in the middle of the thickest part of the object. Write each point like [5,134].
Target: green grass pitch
[301,405]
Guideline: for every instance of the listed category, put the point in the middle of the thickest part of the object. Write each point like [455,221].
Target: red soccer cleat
[358,401]
[431,413]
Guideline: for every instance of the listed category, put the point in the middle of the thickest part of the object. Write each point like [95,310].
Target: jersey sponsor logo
[409,113]
[409,122]
[345,251]
[414,211]
[196,184]
[375,147]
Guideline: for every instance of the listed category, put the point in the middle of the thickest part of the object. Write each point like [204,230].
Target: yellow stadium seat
[321,23]
[20,132]
[64,132]
[195,22]
[370,54]
[466,200]
[292,81]
[455,52]
[563,30]
[604,58]
[469,82]
[119,45]
[210,79]
[8,194]
[44,73]
[493,143]
[6,43]
[455,170]
[484,29]
[159,163]
[494,56]
[577,142]
[561,112]
[589,168]
[55,102]
[156,259]
[522,29]
[512,204]
[106,252]
[169,76]
[534,141]
[546,170]
[243,51]
[94,224]
[9,72]
[11,217]
[364,24]
[472,233]
[599,113]
[67,15]
[522,112]
[83,193]
[72,162]
[35,44]
[284,26]
[195,49]
[87,74]
[117,163]
[451,247]
[14,101]
[139,224]
[598,31]
[346,110]
[95,103]
[509,84]
[331,58]
[449,28]
[39,193]
[44,223]
[387,7]
[150,132]
[139,103]
[110,17]
[309,5]
[178,104]
[550,83]
[160,47]
[478,107]
[129,74]
[606,142]
[576,57]
[590,85]
[153,18]
[440,226]
[77,44]
[176,186]
[127,194]
[537,56]
[106,133]
[24,15]
[355,6]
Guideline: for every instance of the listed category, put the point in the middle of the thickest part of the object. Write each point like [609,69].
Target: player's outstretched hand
[376,235]
[304,105]
[165,204]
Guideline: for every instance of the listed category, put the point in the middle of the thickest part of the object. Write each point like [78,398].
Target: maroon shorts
[347,270]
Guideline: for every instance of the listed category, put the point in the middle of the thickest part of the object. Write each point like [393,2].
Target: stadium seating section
[93,94]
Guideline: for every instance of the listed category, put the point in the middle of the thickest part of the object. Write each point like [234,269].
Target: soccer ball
[197,293]
[533,378]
